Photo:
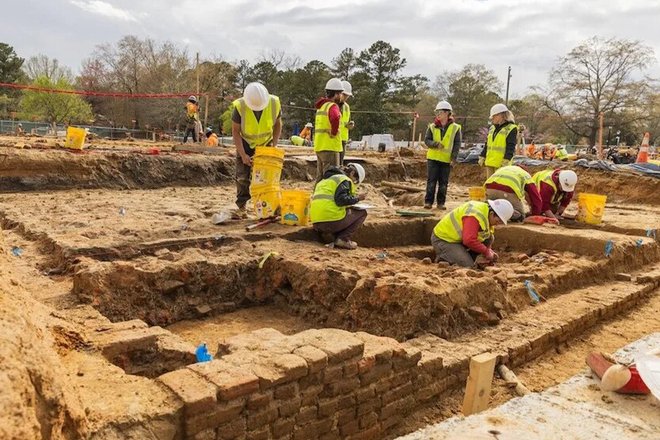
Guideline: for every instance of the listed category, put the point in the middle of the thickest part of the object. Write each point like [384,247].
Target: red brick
[373,433]
[328,407]
[289,407]
[207,434]
[310,395]
[259,400]
[345,416]
[366,364]
[260,434]
[223,413]
[397,393]
[339,345]
[351,369]
[293,367]
[347,402]
[312,430]
[393,408]
[377,372]
[259,418]
[344,386]
[232,382]
[332,435]
[333,373]
[232,429]
[306,414]
[287,391]
[365,394]
[408,359]
[368,420]
[368,406]
[311,380]
[390,421]
[198,394]
[282,427]
[349,428]
[316,359]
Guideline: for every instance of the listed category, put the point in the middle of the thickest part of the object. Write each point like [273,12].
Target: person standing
[331,211]
[327,139]
[514,184]
[467,232]
[443,139]
[192,116]
[500,144]
[256,122]
[346,123]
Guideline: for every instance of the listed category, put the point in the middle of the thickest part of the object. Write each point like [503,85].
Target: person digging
[467,232]
[331,211]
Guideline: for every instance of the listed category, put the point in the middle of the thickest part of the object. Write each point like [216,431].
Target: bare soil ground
[127,234]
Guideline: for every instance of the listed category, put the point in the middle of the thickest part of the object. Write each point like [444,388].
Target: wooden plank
[477,389]
[401,186]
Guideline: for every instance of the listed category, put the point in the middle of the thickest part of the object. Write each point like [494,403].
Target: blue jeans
[437,175]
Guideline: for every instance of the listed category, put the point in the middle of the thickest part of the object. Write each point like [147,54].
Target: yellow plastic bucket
[267,166]
[295,207]
[75,138]
[590,208]
[265,200]
[477,193]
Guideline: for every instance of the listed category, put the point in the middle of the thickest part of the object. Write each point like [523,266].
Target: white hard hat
[256,96]
[443,105]
[192,98]
[348,88]
[360,171]
[497,109]
[334,84]
[309,125]
[503,208]
[567,180]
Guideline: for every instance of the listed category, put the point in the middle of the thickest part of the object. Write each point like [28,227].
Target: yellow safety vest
[497,145]
[450,227]
[322,139]
[561,154]
[512,176]
[345,119]
[443,152]
[546,176]
[258,133]
[323,207]
[192,111]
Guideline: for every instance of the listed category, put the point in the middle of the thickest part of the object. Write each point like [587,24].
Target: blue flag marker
[202,353]
[608,248]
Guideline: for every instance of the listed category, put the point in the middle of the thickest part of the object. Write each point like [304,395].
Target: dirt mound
[36,400]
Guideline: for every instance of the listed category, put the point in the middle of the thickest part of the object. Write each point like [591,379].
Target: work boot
[442,207]
[345,244]
[428,206]
[240,213]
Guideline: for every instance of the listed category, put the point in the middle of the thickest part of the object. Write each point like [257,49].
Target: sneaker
[345,244]
[427,206]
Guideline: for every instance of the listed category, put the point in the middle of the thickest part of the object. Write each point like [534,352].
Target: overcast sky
[432,35]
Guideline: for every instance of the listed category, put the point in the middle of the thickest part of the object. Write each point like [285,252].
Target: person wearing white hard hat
[346,123]
[192,117]
[500,144]
[327,138]
[556,188]
[304,138]
[468,231]
[331,211]
[211,138]
[443,139]
[256,122]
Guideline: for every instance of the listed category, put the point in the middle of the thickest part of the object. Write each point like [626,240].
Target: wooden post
[197,72]
[600,135]
[477,389]
[414,128]
[206,110]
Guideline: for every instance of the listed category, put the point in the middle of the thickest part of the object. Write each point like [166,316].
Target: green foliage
[54,107]
[10,72]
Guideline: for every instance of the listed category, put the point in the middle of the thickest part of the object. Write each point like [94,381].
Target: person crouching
[331,211]
[467,232]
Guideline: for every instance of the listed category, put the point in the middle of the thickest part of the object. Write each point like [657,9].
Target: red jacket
[547,192]
[471,228]
[334,114]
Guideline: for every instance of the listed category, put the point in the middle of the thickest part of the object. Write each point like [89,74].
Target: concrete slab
[576,409]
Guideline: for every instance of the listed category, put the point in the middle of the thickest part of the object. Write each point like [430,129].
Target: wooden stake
[477,389]
[600,135]
[206,111]
[414,128]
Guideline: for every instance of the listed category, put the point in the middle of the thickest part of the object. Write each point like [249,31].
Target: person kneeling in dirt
[333,197]
[556,188]
[514,184]
[467,231]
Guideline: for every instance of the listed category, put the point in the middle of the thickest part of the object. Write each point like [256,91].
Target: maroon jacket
[334,114]
[547,192]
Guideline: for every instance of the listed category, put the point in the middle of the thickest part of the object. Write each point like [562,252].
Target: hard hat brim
[490,203]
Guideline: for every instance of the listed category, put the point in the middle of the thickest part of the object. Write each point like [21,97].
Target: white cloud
[104,8]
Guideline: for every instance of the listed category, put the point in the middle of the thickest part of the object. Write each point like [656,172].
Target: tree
[344,65]
[41,65]
[10,72]
[599,76]
[471,91]
[541,124]
[54,107]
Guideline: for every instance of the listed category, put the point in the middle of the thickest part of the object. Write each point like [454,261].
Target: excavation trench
[388,287]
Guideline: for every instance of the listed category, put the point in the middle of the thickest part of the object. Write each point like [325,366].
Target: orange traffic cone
[643,155]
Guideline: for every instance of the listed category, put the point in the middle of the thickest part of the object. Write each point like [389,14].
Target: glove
[482,160]
[506,162]
[491,255]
